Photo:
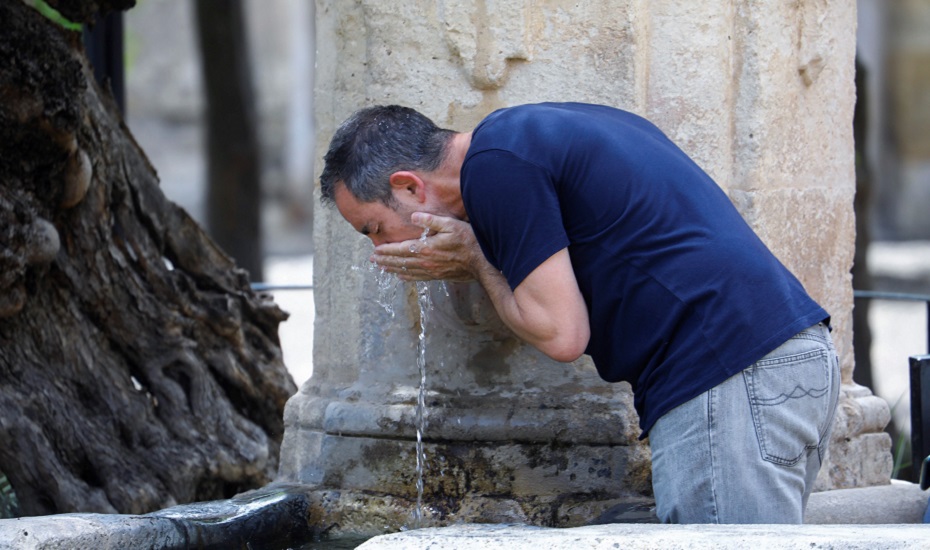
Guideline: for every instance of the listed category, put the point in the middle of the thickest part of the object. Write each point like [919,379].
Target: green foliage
[901,451]
[9,506]
[902,458]
[54,15]
[132,46]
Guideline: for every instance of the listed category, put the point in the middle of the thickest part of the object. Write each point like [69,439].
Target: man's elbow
[568,347]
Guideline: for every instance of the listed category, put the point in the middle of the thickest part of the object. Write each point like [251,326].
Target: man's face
[377,221]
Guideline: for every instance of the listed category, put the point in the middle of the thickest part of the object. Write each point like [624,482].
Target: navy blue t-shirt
[681,293]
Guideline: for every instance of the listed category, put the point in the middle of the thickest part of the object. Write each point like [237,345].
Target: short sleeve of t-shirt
[513,206]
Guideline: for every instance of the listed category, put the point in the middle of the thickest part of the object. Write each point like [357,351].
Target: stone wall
[760,93]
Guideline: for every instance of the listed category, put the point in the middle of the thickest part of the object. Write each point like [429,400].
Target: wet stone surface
[271,518]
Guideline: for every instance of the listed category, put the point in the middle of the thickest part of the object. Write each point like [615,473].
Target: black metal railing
[865,294]
[268,287]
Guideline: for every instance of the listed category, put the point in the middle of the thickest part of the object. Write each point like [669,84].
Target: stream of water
[425,303]
[387,292]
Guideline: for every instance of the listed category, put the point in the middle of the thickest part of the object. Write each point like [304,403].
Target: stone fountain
[760,94]
[510,436]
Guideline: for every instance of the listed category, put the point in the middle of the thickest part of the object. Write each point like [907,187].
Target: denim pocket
[791,400]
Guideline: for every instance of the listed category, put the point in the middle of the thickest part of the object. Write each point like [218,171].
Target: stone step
[646,536]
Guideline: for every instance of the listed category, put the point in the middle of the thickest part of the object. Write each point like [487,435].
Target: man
[593,233]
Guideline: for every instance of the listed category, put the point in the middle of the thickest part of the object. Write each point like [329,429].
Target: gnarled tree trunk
[137,368]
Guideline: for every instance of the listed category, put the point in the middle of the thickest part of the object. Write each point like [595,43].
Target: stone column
[759,93]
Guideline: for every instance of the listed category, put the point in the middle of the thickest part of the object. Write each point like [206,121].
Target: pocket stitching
[755,402]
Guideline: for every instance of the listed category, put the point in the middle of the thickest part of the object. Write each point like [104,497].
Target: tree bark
[137,368]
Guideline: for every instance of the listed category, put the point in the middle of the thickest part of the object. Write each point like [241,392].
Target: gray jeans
[749,450]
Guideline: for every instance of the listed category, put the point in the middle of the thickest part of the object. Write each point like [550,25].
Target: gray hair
[374,143]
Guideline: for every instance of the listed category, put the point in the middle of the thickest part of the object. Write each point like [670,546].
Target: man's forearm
[545,310]
[537,312]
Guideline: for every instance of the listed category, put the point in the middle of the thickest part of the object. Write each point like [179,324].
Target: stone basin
[280,516]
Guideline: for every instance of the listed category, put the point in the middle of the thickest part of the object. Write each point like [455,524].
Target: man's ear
[406,185]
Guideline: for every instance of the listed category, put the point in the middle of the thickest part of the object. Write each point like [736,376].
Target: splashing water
[387,285]
[387,289]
